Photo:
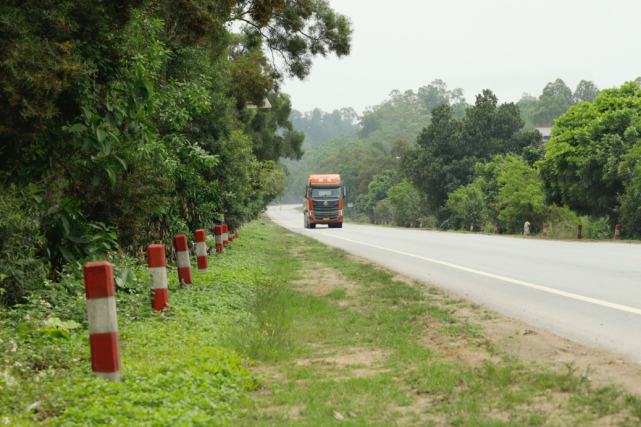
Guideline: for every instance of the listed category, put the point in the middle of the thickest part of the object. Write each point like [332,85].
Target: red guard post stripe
[99,280]
[159,299]
[105,352]
[180,243]
[202,263]
[200,235]
[156,256]
[184,274]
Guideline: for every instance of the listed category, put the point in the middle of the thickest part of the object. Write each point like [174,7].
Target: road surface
[588,292]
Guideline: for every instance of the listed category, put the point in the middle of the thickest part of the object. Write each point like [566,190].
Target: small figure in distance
[526,228]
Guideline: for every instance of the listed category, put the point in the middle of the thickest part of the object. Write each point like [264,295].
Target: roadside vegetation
[284,330]
[445,162]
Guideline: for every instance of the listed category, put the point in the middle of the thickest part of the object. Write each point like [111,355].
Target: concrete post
[103,320]
[201,251]
[158,270]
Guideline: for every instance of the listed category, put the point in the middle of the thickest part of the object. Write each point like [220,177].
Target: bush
[21,272]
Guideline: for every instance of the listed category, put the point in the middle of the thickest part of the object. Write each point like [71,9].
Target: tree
[558,88]
[436,94]
[581,163]
[320,126]
[586,91]
[447,149]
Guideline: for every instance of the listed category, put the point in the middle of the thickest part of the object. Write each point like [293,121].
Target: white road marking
[505,279]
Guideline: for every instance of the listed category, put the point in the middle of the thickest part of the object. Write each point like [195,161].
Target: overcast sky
[509,47]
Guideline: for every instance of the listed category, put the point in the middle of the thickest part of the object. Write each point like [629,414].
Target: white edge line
[505,279]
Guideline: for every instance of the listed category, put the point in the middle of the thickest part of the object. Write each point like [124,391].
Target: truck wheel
[339,225]
[312,225]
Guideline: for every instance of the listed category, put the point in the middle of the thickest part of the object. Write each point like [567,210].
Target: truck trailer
[323,201]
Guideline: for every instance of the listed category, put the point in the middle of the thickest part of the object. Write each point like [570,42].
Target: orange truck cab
[323,201]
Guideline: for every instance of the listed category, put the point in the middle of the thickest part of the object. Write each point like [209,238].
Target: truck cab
[323,201]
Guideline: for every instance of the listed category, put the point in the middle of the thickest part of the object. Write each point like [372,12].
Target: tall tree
[586,91]
[447,149]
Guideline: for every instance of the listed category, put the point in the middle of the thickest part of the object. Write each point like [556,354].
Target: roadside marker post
[225,235]
[421,224]
[182,260]
[545,230]
[218,233]
[579,229]
[412,224]
[158,269]
[483,228]
[496,228]
[617,232]
[201,251]
[472,228]
[103,320]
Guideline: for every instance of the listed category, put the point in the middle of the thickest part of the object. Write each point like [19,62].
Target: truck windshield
[326,192]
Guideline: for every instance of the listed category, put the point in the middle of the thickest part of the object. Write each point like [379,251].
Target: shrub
[21,272]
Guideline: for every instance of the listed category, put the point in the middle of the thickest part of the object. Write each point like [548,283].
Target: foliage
[45,346]
[320,126]
[507,191]
[21,271]
[555,100]
[403,200]
[436,94]
[583,166]
[448,148]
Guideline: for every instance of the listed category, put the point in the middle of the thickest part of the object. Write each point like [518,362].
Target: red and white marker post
[496,228]
[225,235]
[412,224]
[421,224]
[472,228]
[545,230]
[103,320]
[617,232]
[483,228]
[158,270]
[201,251]
[579,229]
[182,259]
[220,247]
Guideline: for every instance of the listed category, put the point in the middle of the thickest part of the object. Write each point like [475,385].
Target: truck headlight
[311,214]
[340,212]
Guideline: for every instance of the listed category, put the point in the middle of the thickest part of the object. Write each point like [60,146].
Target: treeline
[124,123]
[485,166]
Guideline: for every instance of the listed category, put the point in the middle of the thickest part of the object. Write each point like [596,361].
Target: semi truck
[323,201]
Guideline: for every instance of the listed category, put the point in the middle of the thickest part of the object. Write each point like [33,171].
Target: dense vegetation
[416,157]
[126,122]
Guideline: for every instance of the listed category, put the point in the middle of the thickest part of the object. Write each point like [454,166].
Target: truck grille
[325,211]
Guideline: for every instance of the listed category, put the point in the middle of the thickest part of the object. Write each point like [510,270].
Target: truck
[323,201]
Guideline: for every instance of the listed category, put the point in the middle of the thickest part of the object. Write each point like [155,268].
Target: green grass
[414,382]
[245,346]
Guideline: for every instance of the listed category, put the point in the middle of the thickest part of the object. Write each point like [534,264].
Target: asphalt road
[588,292]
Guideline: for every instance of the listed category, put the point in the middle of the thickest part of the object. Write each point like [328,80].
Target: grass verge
[347,342]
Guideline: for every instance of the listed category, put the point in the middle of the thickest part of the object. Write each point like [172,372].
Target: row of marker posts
[101,295]
[579,230]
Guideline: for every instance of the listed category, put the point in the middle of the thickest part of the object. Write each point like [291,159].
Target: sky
[510,47]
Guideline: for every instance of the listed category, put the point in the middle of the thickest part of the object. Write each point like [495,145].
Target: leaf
[101,134]
[78,127]
[107,148]
[95,118]
[122,162]
[112,177]
[66,222]
[88,143]
[2,277]
[37,198]
[149,124]
[87,112]
[110,119]
[97,179]
[67,254]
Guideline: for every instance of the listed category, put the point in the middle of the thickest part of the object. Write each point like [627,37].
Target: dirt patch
[511,336]
[360,362]
[321,281]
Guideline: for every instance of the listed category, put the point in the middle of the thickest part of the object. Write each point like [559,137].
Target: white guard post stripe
[102,315]
[201,249]
[219,239]
[158,277]
[226,236]
[507,279]
[109,376]
[183,259]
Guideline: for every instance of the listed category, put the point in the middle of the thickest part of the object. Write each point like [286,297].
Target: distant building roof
[545,132]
